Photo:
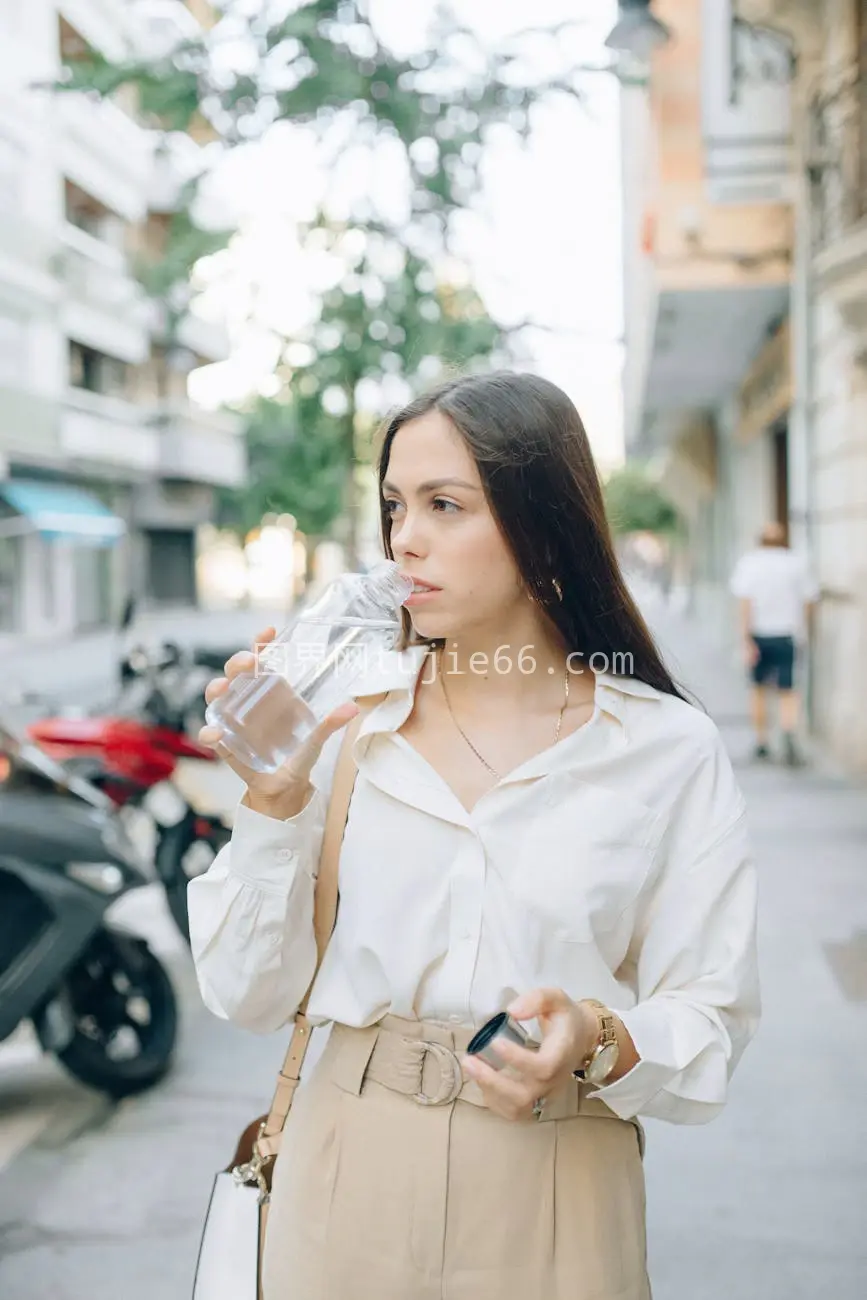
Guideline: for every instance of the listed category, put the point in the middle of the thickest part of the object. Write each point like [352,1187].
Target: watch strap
[606,1036]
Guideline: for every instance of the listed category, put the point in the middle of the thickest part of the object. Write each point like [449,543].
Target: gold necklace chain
[479,756]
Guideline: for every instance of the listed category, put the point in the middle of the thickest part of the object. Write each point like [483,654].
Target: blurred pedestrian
[776,595]
[541,823]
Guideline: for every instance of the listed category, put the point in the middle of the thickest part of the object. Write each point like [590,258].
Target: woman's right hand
[283,793]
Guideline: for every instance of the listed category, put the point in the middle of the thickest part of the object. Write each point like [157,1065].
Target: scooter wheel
[126,1017]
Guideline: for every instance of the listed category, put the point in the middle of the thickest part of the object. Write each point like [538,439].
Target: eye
[447,506]
[390,506]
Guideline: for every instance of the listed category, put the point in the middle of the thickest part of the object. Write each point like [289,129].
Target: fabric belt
[419,1059]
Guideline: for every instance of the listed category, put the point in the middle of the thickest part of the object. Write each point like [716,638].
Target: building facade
[745,182]
[829,341]
[106,469]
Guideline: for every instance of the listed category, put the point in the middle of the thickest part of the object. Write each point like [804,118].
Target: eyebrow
[432,485]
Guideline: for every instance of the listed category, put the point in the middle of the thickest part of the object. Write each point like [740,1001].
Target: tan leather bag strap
[324,917]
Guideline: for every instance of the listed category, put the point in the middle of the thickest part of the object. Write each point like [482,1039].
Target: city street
[83,668]
[766,1203]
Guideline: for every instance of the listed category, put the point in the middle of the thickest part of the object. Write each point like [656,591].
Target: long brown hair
[540,479]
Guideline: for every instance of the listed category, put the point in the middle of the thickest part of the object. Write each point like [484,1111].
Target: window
[83,367]
[73,46]
[94,218]
[96,371]
[82,210]
[75,49]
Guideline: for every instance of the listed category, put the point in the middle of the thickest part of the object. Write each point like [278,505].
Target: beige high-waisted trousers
[380,1195]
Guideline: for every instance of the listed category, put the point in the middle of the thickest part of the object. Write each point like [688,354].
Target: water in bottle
[311,667]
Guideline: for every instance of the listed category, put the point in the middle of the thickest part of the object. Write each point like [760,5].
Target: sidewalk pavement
[768,1200]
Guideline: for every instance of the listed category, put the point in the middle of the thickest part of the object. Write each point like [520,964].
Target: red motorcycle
[133,759]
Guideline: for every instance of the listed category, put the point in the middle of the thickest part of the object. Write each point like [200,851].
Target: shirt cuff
[650,1028]
[267,852]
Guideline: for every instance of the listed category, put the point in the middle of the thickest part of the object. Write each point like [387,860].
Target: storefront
[55,556]
[764,403]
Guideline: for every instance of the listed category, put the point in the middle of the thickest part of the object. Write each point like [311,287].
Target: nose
[407,536]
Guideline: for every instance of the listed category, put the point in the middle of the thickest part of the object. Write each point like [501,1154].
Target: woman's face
[444,534]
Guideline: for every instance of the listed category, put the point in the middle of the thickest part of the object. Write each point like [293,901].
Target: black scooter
[98,997]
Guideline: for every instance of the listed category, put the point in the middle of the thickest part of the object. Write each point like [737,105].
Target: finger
[338,718]
[520,1059]
[242,662]
[263,638]
[499,1089]
[216,688]
[302,762]
[538,1002]
[210,737]
[554,1056]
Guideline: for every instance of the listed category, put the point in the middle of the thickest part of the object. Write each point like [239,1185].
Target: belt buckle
[451,1078]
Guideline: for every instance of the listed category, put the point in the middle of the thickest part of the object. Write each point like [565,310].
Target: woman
[540,822]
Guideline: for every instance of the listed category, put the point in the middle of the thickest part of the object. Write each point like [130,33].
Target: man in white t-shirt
[776,594]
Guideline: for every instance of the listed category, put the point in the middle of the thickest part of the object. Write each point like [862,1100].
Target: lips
[421,592]
[418,585]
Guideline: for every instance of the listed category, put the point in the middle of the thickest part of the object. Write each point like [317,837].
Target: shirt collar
[391,670]
[395,673]
[392,673]
[612,693]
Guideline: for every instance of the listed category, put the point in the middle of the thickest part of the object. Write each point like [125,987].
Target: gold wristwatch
[602,1057]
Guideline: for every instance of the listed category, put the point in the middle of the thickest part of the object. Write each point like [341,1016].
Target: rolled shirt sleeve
[251,913]
[696,971]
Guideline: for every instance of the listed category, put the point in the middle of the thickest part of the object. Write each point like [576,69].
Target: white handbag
[230,1253]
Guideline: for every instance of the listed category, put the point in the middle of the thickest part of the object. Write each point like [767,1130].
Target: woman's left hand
[568,1033]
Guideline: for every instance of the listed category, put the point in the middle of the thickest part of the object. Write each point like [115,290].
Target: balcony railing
[104,126]
[104,430]
[96,270]
[201,446]
[837,157]
[106,152]
[104,306]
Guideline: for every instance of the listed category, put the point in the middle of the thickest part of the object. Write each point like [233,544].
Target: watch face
[603,1063]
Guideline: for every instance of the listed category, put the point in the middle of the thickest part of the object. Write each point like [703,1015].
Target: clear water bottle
[311,667]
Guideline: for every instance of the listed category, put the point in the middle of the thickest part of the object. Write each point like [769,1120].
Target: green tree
[324,65]
[374,328]
[635,503]
[297,466]
[325,58]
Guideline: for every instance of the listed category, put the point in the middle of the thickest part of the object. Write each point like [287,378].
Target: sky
[542,241]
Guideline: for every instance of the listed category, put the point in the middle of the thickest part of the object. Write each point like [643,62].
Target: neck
[497,664]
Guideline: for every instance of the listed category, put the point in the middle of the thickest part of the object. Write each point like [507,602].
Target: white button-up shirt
[778,584]
[616,864]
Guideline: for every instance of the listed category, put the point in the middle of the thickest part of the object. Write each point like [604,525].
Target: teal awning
[62,511]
